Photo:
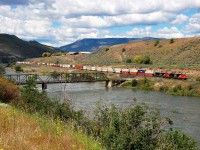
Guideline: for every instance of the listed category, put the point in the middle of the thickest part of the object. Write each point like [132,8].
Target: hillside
[182,52]
[91,45]
[12,46]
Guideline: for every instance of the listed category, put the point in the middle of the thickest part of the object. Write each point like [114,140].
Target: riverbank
[20,130]
[170,86]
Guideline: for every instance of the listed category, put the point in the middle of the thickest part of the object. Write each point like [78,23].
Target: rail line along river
[184,111]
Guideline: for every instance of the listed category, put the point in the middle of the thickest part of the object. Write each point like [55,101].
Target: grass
[19,130]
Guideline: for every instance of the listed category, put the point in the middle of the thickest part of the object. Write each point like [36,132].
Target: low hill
[91,45]
[12,46]
[181,52]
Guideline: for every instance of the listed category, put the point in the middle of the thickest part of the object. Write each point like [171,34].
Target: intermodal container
[141,73]
[133,71]
[149,73]
[125,71]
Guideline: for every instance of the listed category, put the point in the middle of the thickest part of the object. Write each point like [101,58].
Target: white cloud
[180,19]
[140,32]
[194,24]
[33,19]
[172,32]
[165,32]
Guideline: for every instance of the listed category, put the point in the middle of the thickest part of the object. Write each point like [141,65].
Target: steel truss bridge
[21,79]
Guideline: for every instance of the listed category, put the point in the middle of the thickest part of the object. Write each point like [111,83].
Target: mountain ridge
[12,46]
[93,44]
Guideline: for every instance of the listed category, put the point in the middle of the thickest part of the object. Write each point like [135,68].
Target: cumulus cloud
[194,24]
[180,19]
[165,32]
[34,19]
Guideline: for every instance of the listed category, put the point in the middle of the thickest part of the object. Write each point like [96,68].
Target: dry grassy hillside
[182,52]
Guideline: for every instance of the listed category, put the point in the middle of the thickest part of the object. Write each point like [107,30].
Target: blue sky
[60,22]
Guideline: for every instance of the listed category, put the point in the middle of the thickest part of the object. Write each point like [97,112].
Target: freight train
[126,71]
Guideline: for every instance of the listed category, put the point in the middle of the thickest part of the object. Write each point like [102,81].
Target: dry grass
[21,131]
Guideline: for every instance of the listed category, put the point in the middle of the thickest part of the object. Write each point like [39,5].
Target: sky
[60,22]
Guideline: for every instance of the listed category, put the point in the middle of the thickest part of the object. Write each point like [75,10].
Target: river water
[184,111]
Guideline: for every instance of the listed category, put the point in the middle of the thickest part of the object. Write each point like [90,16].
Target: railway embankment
[170,86]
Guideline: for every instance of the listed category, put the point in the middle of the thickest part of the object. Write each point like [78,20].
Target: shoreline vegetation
[178,88]
[138,127]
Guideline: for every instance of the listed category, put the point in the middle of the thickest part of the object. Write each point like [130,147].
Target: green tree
[139,59]
[107,49]
[18,68]
[171,41]
[156,43]
[46,54]
[2,70]
[129,60]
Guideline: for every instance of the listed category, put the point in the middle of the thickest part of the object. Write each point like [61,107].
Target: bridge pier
[44,86]
[109,83]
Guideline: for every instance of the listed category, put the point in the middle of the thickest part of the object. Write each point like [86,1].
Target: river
[184,111]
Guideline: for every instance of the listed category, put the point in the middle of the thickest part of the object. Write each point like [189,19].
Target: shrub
[171,41]
[134,83]
[36,101]
[8,91]
[163,88]
[2,70]
[128,60]
[139,59]
[107,49]
[18,68]
[198,79]
[46,54]
[177,140]
[136,128]
[156,43]
[123,50]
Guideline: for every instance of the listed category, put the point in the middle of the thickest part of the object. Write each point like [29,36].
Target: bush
[171,41]
[36,101]
[8,91]
[134,83]
[156,43]
[2,70]
[142,59]
[18,68]
[123,50]
[129,61]
[177,140]
[107,49]
[46,54]
[163,89]
[136,128]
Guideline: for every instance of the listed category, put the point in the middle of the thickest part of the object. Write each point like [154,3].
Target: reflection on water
[184,111]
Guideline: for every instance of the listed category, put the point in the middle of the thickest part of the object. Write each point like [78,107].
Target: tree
[139,59]
[171,41]
[2,70]
[18,68]
[46,54]
[107,49]
[156,43]
[128,60]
